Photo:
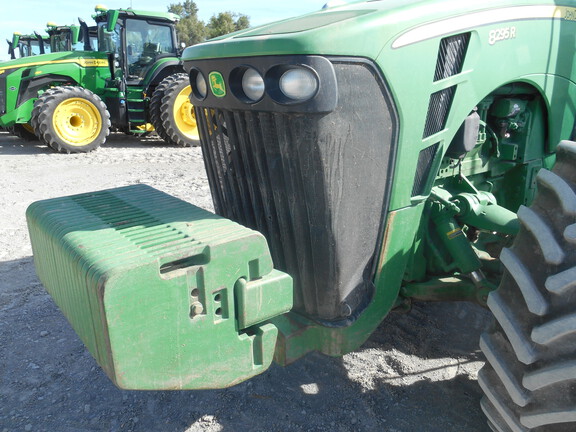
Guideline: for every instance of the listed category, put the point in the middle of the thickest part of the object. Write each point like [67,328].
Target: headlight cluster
[269,83]
[285,84]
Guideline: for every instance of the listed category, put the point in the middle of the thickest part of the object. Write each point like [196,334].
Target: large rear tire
[71,119]
[529,379]
[172,114]
[156,105]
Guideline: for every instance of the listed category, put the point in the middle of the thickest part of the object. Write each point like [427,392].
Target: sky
[25,16]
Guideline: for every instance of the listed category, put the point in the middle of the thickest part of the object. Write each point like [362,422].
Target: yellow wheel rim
[184,116]
[148,127]
[77,121]
[28,127]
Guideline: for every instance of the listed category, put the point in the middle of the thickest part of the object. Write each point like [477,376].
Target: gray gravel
[416,373]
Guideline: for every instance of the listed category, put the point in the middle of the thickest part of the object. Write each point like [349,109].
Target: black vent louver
[450,60]
[438,109]
[451,56]
[425,163]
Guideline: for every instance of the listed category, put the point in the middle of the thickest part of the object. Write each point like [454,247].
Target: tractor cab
[72,37]
[27,45]
[136,39]
[63,38]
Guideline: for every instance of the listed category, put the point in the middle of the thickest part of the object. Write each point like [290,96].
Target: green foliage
[226,22]
[189,29]
[192,30]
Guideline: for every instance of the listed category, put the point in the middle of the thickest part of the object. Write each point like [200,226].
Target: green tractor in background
[27,45]
[72,99]
[59,38]
[72,37]
[360,158]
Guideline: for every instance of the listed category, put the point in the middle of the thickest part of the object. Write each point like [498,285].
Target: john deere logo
[217,84]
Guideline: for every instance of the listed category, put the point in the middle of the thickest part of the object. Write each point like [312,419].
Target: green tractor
[71,99]
[27,45]
[72,37]
[360,158]
[59,38]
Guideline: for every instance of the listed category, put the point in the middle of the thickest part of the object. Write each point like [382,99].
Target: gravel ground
[417,372]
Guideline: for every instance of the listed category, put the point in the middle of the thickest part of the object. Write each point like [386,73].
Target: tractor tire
[177,113]
[156,105]
[529,380]
[24,131]
[35,112]
[71,119]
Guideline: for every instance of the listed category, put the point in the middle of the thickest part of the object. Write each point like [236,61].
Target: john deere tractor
[27,45]
[59,38]
[72,99]
[360,158]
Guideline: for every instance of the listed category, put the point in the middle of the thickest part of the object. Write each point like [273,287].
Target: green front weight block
[163,294]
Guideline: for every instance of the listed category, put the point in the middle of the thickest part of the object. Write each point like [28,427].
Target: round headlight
[253,84]
[201,87]
[299,84]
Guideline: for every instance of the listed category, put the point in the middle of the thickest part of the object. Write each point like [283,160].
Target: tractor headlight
[299,84]
[253,84]
[199,84]
[292,84]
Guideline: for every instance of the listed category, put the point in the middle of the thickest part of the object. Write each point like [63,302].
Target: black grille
[425,163]
[314,184]
[451,56]
[438,108]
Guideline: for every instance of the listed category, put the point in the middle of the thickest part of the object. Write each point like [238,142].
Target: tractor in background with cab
[27,45]
[72,99]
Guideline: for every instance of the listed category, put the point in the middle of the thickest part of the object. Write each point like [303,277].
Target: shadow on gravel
[11,145]
[49,382]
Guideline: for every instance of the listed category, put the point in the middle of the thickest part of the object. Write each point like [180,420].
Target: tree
[189,29]
[226,22]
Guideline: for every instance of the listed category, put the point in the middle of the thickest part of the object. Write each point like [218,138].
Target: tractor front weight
[165,295]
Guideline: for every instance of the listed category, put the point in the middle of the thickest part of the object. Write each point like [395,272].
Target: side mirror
[15,39]
[112,20]
[75,34]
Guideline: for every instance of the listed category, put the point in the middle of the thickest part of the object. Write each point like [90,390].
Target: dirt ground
[417,373]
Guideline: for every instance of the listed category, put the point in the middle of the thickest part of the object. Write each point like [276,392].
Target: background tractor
[72,37]
[359,158]
[60,38]
[71,99]
[27,45]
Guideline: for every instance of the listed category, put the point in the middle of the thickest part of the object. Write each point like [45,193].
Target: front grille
[314,184]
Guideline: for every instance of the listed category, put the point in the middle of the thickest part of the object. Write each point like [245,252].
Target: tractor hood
[364,28]
[87,59]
